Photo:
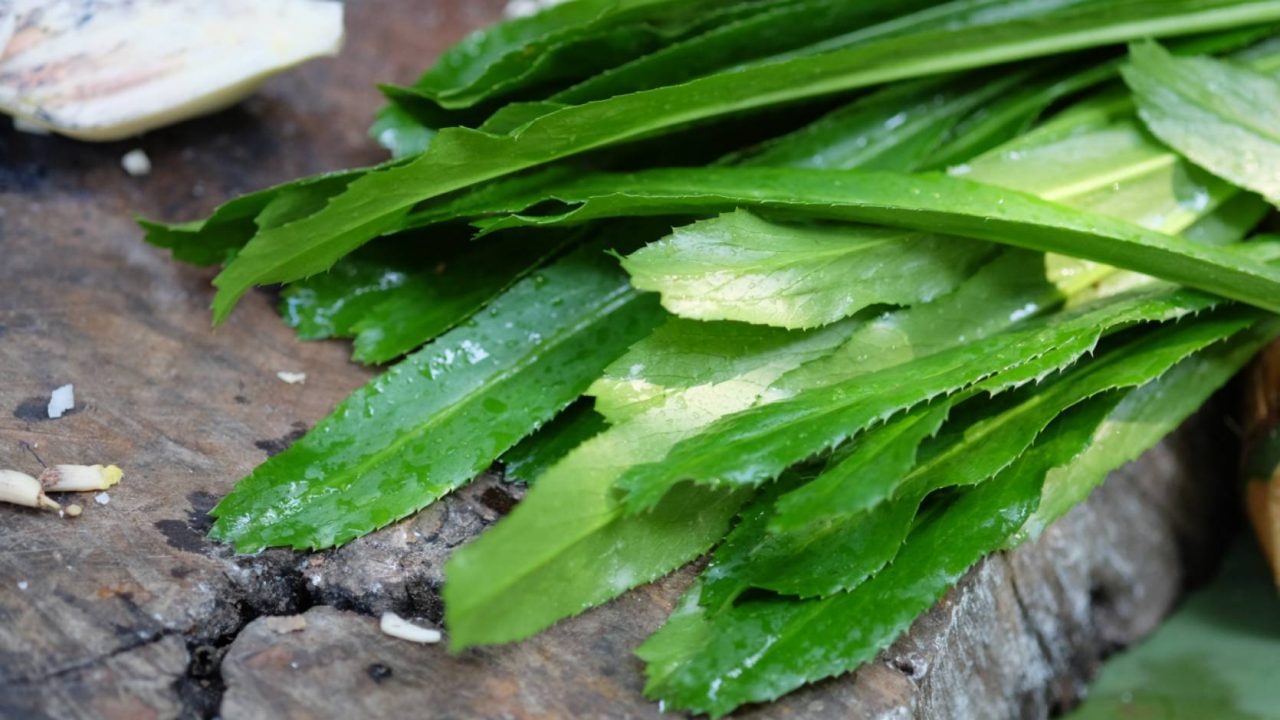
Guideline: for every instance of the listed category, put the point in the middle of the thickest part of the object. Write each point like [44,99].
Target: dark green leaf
[443,414]
[379,200]
[544,448]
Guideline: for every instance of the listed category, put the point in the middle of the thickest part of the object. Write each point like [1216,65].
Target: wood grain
[128,612]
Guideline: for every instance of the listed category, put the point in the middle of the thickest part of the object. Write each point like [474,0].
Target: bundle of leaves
[847,295]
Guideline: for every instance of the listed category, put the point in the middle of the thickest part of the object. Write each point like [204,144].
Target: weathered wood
[127,611]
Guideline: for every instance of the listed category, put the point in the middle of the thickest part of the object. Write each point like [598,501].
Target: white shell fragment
[62,401]
[102,498]
[293,378]
[22,489]
[136,163]
[80,478]
[109,69]
[397,627]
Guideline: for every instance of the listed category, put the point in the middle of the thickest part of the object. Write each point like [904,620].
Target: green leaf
[327,305]
[394,295]
[1010,113]
[860,475]
[1009,289]
[1117,170]
[219,237]
[446,292]
[1219,114]
[565,43]
[839,553]
[568,545]
[445,413]
[752,446]
[934,203]
[741,267]
[378,201]
[762,648]
[400,132]
[891,129]
[1140,420]
[1214,658]
[1014,111]
[750,38]
[689,366]
[544,448]
[794,563]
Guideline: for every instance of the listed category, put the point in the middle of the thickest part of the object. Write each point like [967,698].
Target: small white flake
[22,584]
[62,401]
[397,627]
[102,498]
[293,378]
[136,163]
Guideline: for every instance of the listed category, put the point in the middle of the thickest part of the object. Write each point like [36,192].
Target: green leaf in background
[544,448]
[741,267]
[933,203]
[378,201]
[568,545]
[474,392]
[1214,658]
[1220,114]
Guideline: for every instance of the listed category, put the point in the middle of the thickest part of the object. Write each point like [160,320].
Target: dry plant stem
[22,489]
[80,478]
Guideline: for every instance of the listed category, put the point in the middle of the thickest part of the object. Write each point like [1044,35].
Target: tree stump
[129,612]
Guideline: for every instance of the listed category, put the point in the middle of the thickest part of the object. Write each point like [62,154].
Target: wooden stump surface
[129,612]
